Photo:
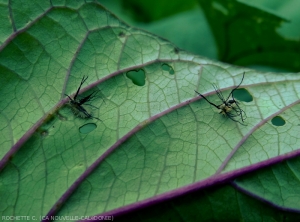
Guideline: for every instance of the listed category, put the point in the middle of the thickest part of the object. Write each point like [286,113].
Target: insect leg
[87,98]
[239,111]
[219,93]
[69,97]
[82,81]
[230,116]
[83,110]
[91,106]
[207,100]
[231,93]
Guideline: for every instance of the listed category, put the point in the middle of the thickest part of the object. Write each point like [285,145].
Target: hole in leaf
[167,68]
[137,77]
[278,121]
[176,50]
[87,128]
[242,95]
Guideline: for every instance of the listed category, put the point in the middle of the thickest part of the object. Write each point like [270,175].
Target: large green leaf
[156,141]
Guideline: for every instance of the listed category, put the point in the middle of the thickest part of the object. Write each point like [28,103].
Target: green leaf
[249,36]
[188,30]
[151,10]
[158,146]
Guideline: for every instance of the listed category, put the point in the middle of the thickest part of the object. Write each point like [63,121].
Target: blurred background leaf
[263,35]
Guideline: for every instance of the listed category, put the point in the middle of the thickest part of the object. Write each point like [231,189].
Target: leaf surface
[157,138]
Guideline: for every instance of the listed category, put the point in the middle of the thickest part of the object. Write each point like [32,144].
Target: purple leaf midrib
[257,126]
[216,179]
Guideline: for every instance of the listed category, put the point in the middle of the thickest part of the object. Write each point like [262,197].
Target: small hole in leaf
[167,68]
[278,121]
[87,128]
[242,95]
[176,50]
[137,77]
